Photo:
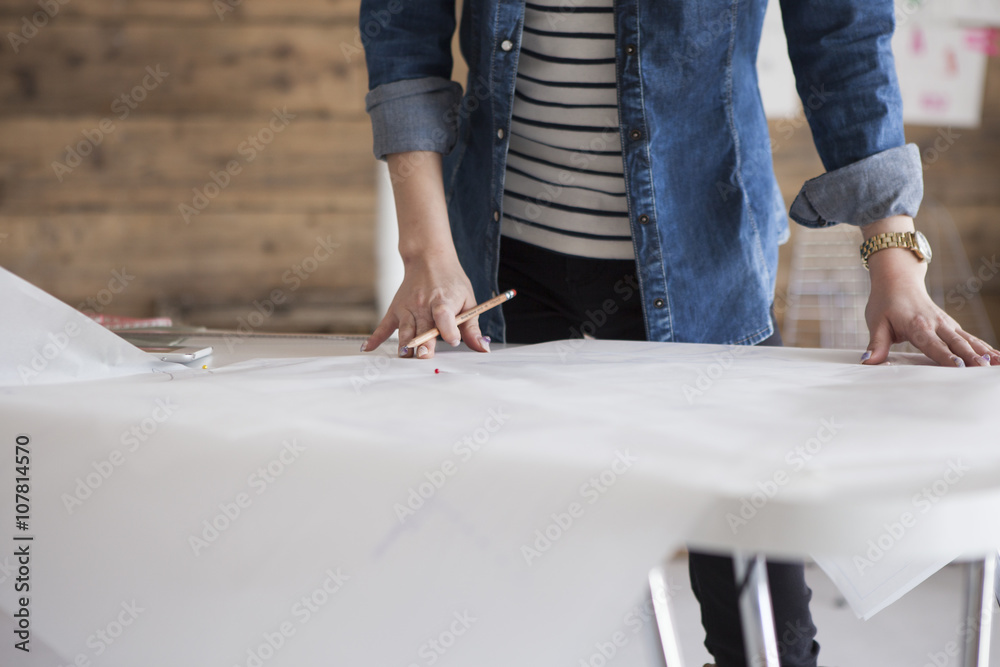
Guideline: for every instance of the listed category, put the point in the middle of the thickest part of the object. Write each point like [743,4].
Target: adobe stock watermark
[921,503]
[94,305]
[796,459]
[122,107]
[376,363]
[434,648]
[965,291]
[248,149]
[223,7]
[562,522]
[38,20]
[302,611]
[43,355]
[625,288]
[953,649]
[293,277]
[634,620]
[371,27]
[785,128]
[942,144]
[103,638]
[464,449]
[57,341]
[711,372]
[131,440]
[231,510]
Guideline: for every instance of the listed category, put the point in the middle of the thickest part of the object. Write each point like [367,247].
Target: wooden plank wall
[226,73]
[219,81]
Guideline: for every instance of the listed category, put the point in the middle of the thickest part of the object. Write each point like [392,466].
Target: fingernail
[487,339]
[485,342]
[958,362]
[421,351]
[364,346]
[987,358]
[866,356]
[403,350]
[983,360]
[456,342]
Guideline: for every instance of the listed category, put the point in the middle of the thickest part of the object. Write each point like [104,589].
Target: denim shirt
[705,210]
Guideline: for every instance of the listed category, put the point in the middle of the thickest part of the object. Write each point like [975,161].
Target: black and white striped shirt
[565,188]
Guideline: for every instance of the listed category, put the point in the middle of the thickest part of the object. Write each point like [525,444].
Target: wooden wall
[229,65]
[227,72]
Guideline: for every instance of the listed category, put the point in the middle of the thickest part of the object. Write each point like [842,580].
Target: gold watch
[914,241]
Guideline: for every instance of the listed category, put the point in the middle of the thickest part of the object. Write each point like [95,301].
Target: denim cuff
[882,185]
[414,115]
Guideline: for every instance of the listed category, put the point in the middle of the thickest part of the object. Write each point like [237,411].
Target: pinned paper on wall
[774,70]
[940,59]
[942,73]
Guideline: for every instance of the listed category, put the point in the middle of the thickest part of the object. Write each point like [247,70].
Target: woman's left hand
[900,309]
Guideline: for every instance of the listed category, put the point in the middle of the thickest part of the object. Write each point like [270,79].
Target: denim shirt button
[496,216]
[635,135]
[500,133]
[506,45]
[630,49]
[644,219]
[659,303]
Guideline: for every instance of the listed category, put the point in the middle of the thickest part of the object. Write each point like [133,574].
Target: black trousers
[561,296]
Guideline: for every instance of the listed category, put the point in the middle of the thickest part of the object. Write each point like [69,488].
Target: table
[330,507]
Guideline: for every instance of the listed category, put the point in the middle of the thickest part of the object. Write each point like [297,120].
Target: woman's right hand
[435,289]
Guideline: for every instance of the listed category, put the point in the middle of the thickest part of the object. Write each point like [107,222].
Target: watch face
[923,246]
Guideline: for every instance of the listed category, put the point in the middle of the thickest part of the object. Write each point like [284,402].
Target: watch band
[878,242]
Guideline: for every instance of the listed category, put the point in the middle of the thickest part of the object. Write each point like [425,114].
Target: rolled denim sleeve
[845,73]
[414,115]
[411,98]
[885,184]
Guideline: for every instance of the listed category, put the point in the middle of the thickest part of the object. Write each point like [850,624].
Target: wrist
[893,250]
[424,252]
[896,223]
[896,265]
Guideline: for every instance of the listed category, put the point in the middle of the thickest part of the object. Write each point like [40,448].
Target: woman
[610,160]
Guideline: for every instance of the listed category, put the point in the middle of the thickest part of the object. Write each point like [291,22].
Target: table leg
[981,582]
[659,590]
[755,610]
[996,578]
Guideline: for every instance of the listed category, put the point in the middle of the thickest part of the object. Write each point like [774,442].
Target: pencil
[463,317]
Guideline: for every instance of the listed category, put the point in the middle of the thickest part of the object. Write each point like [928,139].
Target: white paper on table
[705,424]
[774,69]
[878,586]
[942,74]
[333,507]
[44,341]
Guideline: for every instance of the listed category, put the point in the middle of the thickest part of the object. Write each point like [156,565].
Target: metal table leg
[981,586]
[659,591]
[755,610]
[996,587]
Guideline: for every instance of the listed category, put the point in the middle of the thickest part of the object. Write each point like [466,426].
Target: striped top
[564,188]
